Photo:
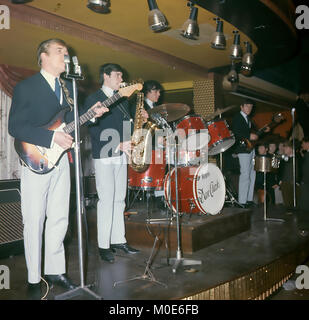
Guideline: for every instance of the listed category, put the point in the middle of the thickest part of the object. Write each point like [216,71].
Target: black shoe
[34,291]
[124,247]
[107,255]
[61,280]
[251,204]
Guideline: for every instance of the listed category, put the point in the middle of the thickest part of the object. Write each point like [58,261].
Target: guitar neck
[90,113]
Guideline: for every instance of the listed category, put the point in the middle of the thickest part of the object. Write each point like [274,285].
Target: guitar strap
[68,99]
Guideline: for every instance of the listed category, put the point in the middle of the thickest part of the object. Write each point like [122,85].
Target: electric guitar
[249,145]
[43,160]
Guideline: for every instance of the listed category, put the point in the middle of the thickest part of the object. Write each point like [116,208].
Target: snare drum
[200,189]
[192,133]
[221,138]
[153,177]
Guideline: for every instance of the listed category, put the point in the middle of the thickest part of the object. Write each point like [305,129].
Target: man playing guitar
[241,127]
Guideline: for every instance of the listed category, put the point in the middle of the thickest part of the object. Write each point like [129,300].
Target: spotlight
[99,6]
[156,19]
[236,51]
[247,60]
[218,39]
[190,28]
[233,75]
[20,1]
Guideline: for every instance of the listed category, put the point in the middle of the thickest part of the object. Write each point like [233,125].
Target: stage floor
[267,247]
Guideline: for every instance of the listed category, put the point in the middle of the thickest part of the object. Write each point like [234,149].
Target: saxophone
[141,138]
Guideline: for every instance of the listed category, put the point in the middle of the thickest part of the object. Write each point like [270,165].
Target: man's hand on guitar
[64,140]
[99,110]
[253,136]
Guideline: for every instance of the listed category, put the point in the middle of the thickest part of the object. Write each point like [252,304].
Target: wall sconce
[218,39]
[156,19]
[247,60]
[190,28]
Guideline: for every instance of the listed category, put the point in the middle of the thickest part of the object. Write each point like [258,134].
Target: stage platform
[249,264]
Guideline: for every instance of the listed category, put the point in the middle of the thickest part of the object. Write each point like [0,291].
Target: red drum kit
[200,185]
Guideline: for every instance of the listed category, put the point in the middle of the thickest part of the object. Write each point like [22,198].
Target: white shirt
[107,91]
[246,118]
[149,102]
[51,81]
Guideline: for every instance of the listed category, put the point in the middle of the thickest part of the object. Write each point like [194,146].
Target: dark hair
[248,101]
[108,68]
[43,47]
[151,85]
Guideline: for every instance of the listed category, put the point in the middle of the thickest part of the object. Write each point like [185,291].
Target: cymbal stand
[147,275]
[179,259]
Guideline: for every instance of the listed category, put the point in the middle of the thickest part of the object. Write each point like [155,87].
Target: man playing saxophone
[111,144]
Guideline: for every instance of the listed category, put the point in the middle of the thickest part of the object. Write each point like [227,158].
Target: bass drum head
[209,189]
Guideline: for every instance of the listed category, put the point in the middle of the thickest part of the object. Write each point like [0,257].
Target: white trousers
[45,196]
[111,183]
[246,177]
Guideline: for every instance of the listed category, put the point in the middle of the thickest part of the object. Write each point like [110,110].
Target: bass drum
[200,189]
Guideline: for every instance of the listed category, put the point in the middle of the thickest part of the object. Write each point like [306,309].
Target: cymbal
[218,112]
[171,111]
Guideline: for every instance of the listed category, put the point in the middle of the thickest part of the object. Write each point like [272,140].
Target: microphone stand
[179,259]
[294,158]
[82,289]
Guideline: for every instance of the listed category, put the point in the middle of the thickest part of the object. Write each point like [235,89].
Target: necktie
[248,120]
[57,88]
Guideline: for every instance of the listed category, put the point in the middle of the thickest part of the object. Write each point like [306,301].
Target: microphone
[67,64]
[77,69]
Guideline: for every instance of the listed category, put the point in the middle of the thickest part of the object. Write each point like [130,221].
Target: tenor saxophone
[141,138]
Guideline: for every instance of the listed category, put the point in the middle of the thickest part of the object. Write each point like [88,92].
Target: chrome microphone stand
[179,259]
[80,205]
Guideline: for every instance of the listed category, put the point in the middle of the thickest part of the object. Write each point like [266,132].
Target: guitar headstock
[127,89]
[278,117]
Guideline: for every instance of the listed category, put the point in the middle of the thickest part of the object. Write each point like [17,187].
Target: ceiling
[123,36]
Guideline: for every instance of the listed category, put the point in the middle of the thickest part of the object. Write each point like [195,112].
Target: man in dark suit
[35,102]
[241,127]
[111,143]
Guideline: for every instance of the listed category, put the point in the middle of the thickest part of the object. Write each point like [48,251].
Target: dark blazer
[241,130]
[34,104]
[108,131]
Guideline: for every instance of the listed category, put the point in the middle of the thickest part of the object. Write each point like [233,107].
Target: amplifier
[11,226]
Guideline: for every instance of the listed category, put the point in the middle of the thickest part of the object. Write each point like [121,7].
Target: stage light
[236,51]
[233,75]
[218,39]
[99,6]
[190,28]
[247,60]
[156,19]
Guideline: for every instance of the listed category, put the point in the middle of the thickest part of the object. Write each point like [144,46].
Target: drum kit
[180,169]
